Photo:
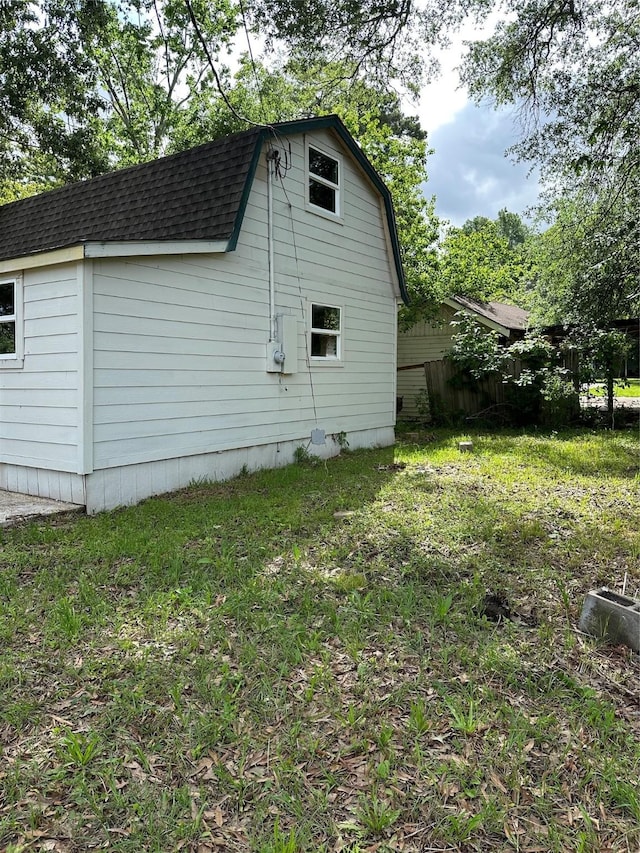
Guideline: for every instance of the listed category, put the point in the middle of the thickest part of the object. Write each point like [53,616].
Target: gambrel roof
[195,195]
[191,195]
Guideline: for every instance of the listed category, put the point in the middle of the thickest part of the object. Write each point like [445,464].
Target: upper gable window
[8,318]
[324,180]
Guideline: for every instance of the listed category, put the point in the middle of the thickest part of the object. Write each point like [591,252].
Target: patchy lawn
[630,388]
[308,659]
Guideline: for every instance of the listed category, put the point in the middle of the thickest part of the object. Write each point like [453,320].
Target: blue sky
[469,172]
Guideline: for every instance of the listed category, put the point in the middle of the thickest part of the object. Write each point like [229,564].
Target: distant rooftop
[509,316]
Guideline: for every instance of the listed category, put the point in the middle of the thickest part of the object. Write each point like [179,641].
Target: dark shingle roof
[192,195]
[509,316]
[199,194]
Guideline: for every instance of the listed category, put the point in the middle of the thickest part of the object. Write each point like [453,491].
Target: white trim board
[119,249]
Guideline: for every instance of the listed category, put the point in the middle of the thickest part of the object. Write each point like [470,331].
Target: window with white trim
[324,180]
[9,319]
[326,332]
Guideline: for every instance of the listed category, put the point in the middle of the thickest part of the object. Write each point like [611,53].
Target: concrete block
[465,446]
[611,616]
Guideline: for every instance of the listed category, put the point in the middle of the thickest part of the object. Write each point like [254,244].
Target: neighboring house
[430,341]
[186,318]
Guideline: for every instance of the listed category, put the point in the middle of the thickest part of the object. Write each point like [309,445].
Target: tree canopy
[587,263]
[487,259]
[47,92]
[572,67]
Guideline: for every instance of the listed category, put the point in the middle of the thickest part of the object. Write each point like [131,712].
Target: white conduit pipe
[272,277]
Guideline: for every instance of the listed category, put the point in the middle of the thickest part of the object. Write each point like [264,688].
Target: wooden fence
[451,397]
[447,395]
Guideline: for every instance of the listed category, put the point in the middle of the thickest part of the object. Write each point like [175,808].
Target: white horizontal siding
[427,341]
[38,402]
[180,342]
[411,385]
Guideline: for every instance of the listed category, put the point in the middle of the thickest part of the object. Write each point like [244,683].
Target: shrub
[560,401]
[538,389]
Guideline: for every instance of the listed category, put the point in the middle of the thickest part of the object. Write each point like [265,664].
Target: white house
[187,317]
[431,340]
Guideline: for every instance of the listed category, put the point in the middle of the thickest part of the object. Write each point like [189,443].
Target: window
[8,319]
[324,181]
[326,332]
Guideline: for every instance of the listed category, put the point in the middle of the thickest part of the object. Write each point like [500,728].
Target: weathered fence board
[450,397]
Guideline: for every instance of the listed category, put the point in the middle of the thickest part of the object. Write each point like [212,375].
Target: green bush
[560,403]
[538,388]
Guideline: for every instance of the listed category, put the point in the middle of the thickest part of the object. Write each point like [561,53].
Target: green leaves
[538,387]
[476,350]
[48,94]
[588,262]
[486,260]
[573,71]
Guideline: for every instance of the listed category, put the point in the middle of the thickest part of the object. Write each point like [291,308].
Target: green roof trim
[331,122]
[246,192]
[200,194]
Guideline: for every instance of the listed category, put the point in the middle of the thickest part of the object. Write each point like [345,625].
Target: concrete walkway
[629,403]
[15,508]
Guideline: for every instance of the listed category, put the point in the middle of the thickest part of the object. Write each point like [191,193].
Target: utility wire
[302,307]
[253,64]
[216,76]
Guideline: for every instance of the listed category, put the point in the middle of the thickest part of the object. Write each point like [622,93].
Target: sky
[469,173]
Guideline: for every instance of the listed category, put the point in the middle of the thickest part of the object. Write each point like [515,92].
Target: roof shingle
[192,195]
[509,316]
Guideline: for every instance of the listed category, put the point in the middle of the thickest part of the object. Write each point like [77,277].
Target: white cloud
[442,99]
[469,173]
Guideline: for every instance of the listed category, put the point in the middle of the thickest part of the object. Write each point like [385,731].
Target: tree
[48,94]
[478,260]
[512,228]
[602,353]
[573,69]
[588,262]
[152,65]
[379,40]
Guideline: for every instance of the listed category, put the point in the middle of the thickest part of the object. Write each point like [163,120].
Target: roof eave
[486,321]
[113,249]
[137,248]
[50,257]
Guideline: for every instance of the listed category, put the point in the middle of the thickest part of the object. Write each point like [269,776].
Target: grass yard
[307,659]
[631,388]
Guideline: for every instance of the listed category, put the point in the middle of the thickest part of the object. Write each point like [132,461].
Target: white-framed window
[324,181]
[326,333]
[10,322]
